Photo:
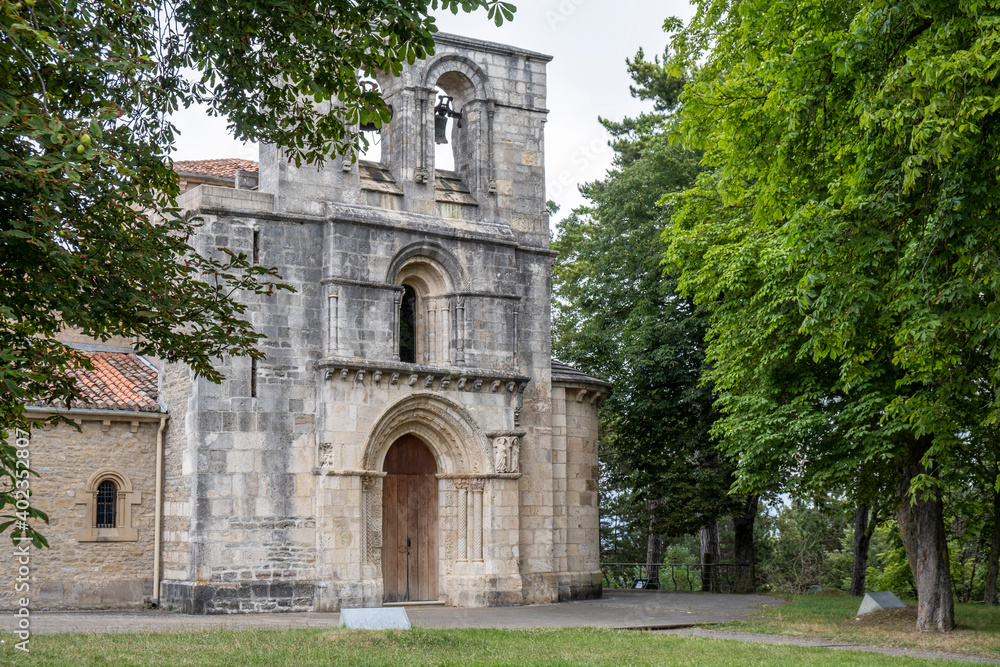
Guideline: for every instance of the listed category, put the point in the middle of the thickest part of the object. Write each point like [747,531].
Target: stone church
[408,436]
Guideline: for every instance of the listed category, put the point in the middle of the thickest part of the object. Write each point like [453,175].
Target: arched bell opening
[445,118]
[456,120]
[409,522]
[371,127]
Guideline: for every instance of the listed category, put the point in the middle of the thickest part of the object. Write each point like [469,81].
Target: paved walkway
[617,609]
[827,643]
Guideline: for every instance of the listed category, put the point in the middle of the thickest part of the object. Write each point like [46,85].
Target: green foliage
[888,569]
[794,549]
[846,235]
[619,317]
[90,237]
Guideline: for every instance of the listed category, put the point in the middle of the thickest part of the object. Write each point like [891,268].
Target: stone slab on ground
[879,600]
[375,618]
[830,644]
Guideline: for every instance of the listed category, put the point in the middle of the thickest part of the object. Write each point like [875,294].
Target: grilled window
[107,500]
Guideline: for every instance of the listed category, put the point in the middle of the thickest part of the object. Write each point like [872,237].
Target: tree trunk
[990,596]
[711,554]
[654,547]
[863,529]
[746,574]
[654,555]
[921,525]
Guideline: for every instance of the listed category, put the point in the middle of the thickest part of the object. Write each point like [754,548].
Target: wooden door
[409,522]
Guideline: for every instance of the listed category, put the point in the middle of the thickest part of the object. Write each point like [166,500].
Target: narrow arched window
[408,326]
[107,501]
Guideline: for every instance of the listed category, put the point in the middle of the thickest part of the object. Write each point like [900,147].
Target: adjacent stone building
[408,437]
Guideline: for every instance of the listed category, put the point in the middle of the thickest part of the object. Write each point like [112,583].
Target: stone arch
[458,444]
[126,497]
[430,272]
[451,63]
[447,267]
[471,136]
[120,479]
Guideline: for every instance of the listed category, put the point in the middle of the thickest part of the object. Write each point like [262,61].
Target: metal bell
[440,129]
[442,112]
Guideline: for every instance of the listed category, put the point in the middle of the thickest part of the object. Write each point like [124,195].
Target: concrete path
[827,643]
[618,609]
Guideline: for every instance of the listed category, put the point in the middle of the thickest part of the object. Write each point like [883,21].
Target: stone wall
[240,489]
[72,574]
[575,423]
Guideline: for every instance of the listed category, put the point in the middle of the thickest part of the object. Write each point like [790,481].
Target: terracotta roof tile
[120,381]
[221,168]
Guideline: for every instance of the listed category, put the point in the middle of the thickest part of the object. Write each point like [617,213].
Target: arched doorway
[409,522]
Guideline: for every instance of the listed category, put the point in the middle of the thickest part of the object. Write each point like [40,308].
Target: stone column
[459,331]
[477,518]
[462,485]
[444,326]
[333,302]
[431,337]
[396,298]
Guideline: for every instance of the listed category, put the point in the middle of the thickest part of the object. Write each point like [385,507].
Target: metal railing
[718,578]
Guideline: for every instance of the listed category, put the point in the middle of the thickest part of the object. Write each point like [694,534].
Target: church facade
[408,436]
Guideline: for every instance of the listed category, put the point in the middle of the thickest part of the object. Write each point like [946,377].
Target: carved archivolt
[458,444]
[438,265]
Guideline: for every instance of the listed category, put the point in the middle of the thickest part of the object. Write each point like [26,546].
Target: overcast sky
[589,40]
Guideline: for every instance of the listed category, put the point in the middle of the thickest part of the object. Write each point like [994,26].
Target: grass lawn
[832,616]
[573,646]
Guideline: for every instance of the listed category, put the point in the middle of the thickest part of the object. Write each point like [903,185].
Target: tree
[89,234]
[618,316]
[855,177]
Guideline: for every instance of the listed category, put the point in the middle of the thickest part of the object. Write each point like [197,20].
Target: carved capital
[326,455]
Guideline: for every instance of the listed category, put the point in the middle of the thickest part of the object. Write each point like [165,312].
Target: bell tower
[492,116]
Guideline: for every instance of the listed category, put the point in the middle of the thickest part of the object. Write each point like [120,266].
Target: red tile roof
[222,168]
[120,381]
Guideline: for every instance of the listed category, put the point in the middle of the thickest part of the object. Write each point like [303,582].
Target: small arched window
[107,500]
[421,330]
[408,326]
